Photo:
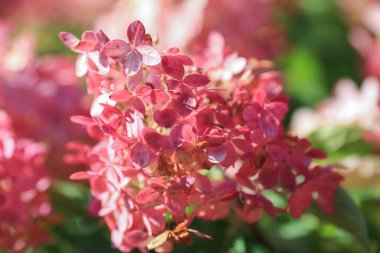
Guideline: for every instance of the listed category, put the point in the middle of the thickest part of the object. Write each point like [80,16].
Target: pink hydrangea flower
[23,184]
[180,139]
[40,94]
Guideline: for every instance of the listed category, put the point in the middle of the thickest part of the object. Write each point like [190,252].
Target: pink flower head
[23,184]
[90,51]
[177,138]
[138,51]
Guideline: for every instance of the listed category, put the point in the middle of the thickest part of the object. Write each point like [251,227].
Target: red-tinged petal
[86,46]
[165,117]
[103,62]
[172,84]
[224,119]
[151,139]
[157,96]
[260,97]
[176,205]
[136,237]
[299,201]
[278,109]
[143,91]
[243,145]
[230,157]
[139,156]
[119,144]
[157,182]
[94,131]
[216,154]
[196,80]
[121,96]
[137,103]
[202,184]
[150,55]
[288,179]
[135,81]
[70,40]
[116,48]
[185,103]
[185,60]
[317,153]
[154,219]
[172,67]
[136,33]
[214,211]
[269,126]
[172,50]
[102,37]
[80,175]
[81,120]
[148,195]
[268,176]
[89,36]
[250,113]
[248,213]
[132,63]
[176,139]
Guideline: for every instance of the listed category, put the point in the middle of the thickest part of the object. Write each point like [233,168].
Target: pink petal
[172,67]
[136,33]
[81,120]
[121,96]
[299,201]
[70,40]
[81,175]
[159,96]
[132,63]
[150,56]
[147,195]
[230,157]
[86,46]
[135,81]
[89,36]
[176,139]
[102,37]
[196,80]
[116,48]
[176,205]
[165,117]
[172,84]
[139,156]
[216,154]
[151,138]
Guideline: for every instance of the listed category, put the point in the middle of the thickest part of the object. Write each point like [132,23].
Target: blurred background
[327,50]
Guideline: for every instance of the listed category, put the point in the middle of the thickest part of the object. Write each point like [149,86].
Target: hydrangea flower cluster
[23,184]
[177,141]
[40,94]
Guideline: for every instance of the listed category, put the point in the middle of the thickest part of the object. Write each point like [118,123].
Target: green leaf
[348,217]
